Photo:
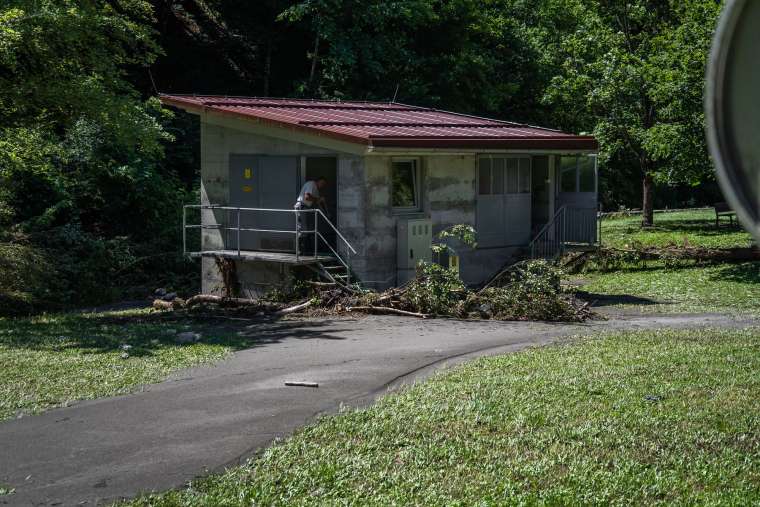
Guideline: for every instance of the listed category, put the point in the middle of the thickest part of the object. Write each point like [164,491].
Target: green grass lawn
[697,227]
[51,360]
[711,288]
[660,417]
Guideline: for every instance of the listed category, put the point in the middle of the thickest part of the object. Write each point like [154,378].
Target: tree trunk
[314,57]
[268,66]
[647,207]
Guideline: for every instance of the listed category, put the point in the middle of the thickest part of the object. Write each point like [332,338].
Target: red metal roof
[386,124]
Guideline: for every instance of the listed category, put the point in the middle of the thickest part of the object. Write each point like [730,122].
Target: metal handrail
[549,223]
[298,232]
[336,230]
[338,257]
[569,225]
[540,240]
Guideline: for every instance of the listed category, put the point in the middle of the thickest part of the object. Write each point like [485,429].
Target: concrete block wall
[377,263]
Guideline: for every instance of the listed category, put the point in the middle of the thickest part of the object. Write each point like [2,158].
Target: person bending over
[309,198]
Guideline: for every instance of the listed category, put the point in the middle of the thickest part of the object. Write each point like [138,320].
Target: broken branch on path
[293,309]
[386,309]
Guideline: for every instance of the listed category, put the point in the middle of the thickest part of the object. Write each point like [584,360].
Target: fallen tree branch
[321,284]
[386,309]
[160,304]
[689,253]
[293,309]
[223,301]
[498,276]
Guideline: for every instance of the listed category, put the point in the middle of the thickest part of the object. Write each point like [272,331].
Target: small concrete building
[397,175]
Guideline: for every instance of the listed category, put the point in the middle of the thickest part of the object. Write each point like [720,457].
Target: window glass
[524,180]
[404,184]
[484,176]
[497,170]
[512,176]
[567,167]
[586,174]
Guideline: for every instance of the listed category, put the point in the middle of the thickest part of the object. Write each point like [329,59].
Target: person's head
[321,182]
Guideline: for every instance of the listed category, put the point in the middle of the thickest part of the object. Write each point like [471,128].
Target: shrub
[532,290]
[435,290]
[23,270]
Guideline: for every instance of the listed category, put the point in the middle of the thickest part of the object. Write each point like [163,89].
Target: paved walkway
[204,419]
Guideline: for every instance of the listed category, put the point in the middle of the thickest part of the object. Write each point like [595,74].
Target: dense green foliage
[93,170]
[640,418]
[84,191]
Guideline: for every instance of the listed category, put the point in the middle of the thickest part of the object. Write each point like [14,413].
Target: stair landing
[279,257]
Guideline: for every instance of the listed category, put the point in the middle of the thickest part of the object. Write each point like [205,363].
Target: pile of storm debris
[529,290]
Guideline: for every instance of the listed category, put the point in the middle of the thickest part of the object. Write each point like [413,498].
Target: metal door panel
[517,209]
[504,213]
[490,220]
[263,182]
[278,190]
[244,193]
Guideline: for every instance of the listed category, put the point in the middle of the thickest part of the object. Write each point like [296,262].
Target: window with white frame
[405,185]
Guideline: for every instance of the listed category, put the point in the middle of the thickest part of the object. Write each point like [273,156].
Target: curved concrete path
[204,419]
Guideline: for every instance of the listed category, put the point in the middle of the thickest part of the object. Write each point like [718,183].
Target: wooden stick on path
[298,383]
[385,309]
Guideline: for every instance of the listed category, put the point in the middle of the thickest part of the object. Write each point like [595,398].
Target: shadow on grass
[685,226]
[747,272]
[143,334]
[615,299]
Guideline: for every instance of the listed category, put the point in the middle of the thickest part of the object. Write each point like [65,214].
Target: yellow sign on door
[247,173]
[247,188]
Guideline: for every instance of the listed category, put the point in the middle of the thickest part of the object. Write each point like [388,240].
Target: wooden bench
[722,209]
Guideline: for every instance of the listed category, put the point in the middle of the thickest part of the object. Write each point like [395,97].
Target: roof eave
[567,143]
[195,108]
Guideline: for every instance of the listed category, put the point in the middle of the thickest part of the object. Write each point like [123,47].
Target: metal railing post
[316,217]
[238,231]
[599,220]
[298,232]
[184,231]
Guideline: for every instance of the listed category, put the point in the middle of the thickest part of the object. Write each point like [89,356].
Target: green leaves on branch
[460,233]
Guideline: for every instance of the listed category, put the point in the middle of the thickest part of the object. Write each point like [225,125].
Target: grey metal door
[504,201]
[263,182]
[278,189]
[577,190]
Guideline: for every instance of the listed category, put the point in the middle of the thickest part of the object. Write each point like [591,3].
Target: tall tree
[464,55]
[635,70]
[75,132]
